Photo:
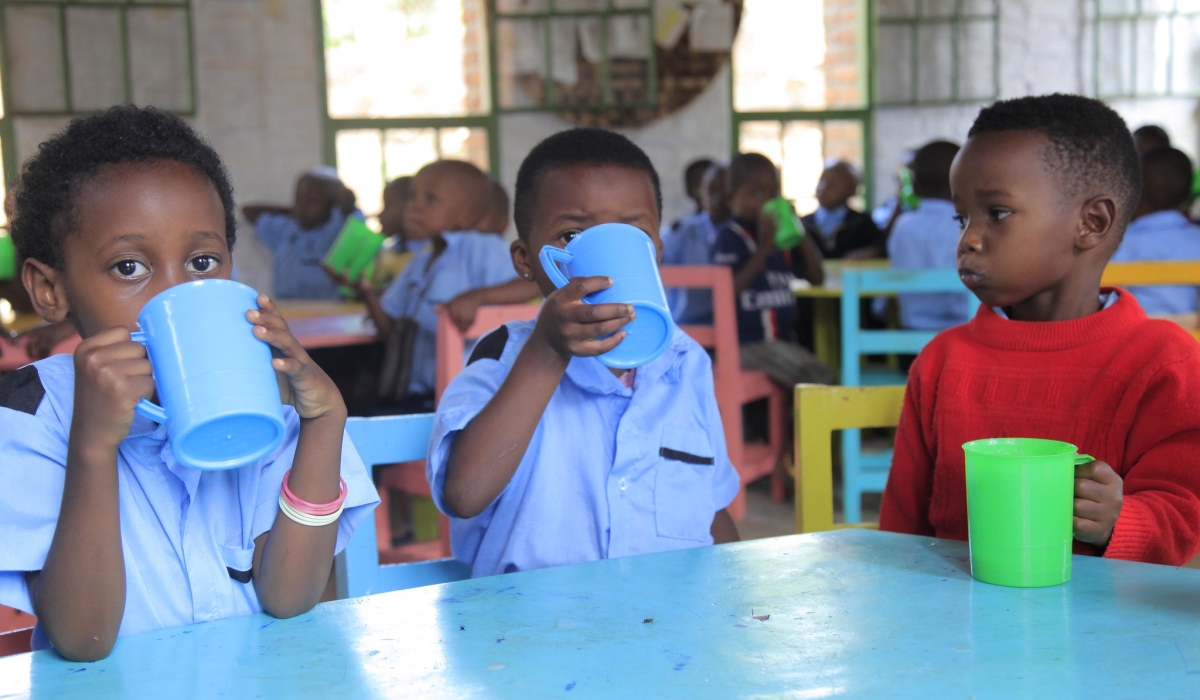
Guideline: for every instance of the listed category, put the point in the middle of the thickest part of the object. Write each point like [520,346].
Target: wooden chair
[820,410]
[451,343]
[1153,274]
[867,472]
[359,571]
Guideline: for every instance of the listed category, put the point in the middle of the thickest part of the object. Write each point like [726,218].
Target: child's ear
[46,290]
[1097,223]
[521,258]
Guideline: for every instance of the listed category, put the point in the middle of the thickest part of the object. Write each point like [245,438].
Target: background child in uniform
[839,231]
[691,242]
[397,250]
[495,218]
[1044,188]
[1161,231]
[119,207]
[541,454]
[447,200]
[927,238]
[300,236]
[692,176]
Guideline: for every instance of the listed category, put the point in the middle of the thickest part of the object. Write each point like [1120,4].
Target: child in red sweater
[1044,188]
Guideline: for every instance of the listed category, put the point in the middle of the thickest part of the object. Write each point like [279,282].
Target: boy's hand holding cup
[575,329]
[1098,498]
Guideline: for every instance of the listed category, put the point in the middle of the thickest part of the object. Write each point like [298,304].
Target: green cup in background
[354,250]
[788,231]
[8,257]
[1020,506]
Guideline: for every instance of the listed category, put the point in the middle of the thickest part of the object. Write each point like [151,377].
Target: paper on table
[711,27]
[670,21]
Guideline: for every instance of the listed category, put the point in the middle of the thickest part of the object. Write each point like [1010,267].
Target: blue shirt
[182,529]
[1163,235]
[470,260]
[828,220]
[766,308]
[926,239]
[297,254]
[610,471]
[690,243]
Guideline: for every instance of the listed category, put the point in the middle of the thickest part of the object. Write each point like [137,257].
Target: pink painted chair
[16,628]
[735,387]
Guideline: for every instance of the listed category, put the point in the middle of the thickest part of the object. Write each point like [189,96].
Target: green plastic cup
[354,250]
[8,257]
[788,231]
[1020,504]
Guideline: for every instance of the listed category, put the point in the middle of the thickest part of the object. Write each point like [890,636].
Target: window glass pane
[894,59]
[96,57]
[821,44]
[35,67]
[1115,37]
[159,65]
[521,51]
[1186,72]
[1118,7]
[976,60]
[1154,6]
[939,8]
[897,8]
[462,143]
[517,6]
[1153,42]
[405,58]
[629,51]
[935,62]
[987,7]
[360,165]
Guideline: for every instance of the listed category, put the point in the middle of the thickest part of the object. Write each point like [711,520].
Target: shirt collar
[1157,220]
[1107,299]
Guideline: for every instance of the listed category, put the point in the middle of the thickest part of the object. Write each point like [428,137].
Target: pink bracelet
[313,508]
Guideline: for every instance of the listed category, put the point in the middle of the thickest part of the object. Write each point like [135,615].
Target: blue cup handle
[146,407]
[550,257]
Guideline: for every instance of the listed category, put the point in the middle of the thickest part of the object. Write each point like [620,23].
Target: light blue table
[853,614]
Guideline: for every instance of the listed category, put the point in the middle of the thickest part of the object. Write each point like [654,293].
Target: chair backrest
[387,440]
[820,410]
[15,641]
[857,283]
[1150,274]
[451,343]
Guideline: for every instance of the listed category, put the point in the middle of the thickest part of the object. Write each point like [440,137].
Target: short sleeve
[728,249]
[361,496]
[463,399]
[496,263]
[34,449]
[272,229]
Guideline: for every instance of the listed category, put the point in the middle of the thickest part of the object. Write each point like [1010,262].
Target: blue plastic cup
[627,255]
[219,393]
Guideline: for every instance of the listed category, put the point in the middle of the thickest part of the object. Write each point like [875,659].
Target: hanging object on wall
[626,67]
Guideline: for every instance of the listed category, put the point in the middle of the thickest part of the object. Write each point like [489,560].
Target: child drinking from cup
[103,532]
[542,455]
[1044,189]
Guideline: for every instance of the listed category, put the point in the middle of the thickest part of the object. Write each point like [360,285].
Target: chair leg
[383,521]
[444,534]
[780,432]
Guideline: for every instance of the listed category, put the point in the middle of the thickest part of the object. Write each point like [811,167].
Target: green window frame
[546,16]
[1120,26]
[921,16]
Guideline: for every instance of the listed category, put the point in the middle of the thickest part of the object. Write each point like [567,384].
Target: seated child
[540,454]
[104,533]
[300,236]
[447,200]
[762,276]
[495,218]
[1044,188]
[839,231]
[397,250]
[1161,231]
[927,238]
[693,175]
[691,241]
[1150,137]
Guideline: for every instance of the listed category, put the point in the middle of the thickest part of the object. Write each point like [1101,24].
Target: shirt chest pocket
[239,562]
[683,499]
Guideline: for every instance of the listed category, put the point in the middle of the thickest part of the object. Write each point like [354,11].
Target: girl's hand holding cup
[302,383]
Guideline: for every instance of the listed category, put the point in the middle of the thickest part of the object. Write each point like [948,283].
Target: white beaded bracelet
[305,518]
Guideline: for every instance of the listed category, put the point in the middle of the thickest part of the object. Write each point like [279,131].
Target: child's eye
[999,214]
[962,221]
[568,236]
[130,269]
[202,264]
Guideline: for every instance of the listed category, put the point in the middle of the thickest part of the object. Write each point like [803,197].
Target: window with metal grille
[937,51]
[1141,48]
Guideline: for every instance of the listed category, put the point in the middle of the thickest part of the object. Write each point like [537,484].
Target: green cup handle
[1083,459]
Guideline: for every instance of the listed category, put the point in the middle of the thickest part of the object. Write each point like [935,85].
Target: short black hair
[570,148]
[1090,148]
[743,165]
[1166,178]
[693,174]
[930,167]
[1155,134]
[42,206]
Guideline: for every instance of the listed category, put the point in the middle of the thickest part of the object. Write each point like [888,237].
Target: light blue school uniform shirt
[610,471]
[470,260]
[187,535]
[922,239]
[297,253]
[690,243]
[828,221]
[1163,235]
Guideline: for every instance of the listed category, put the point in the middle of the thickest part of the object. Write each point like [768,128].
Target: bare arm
[812,262]
[383,322]
[487,452]
[462,309]
[723,530]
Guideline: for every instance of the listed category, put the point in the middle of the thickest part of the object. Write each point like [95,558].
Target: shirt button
[622,484]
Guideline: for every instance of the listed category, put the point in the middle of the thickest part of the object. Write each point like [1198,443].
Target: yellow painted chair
[1151,274]
[820,410]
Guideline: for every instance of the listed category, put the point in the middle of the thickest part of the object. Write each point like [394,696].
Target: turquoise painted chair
[867,472]
[387,440]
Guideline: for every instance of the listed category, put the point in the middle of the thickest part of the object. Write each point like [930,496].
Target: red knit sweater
[1123,388]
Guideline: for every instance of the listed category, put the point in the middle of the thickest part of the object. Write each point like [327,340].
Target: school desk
[326,324]
[827,308]
[851,614]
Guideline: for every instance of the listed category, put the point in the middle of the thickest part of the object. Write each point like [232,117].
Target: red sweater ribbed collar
[1005,334]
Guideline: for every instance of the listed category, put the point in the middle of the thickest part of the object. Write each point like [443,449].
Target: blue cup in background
[214,377]
[628,256]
